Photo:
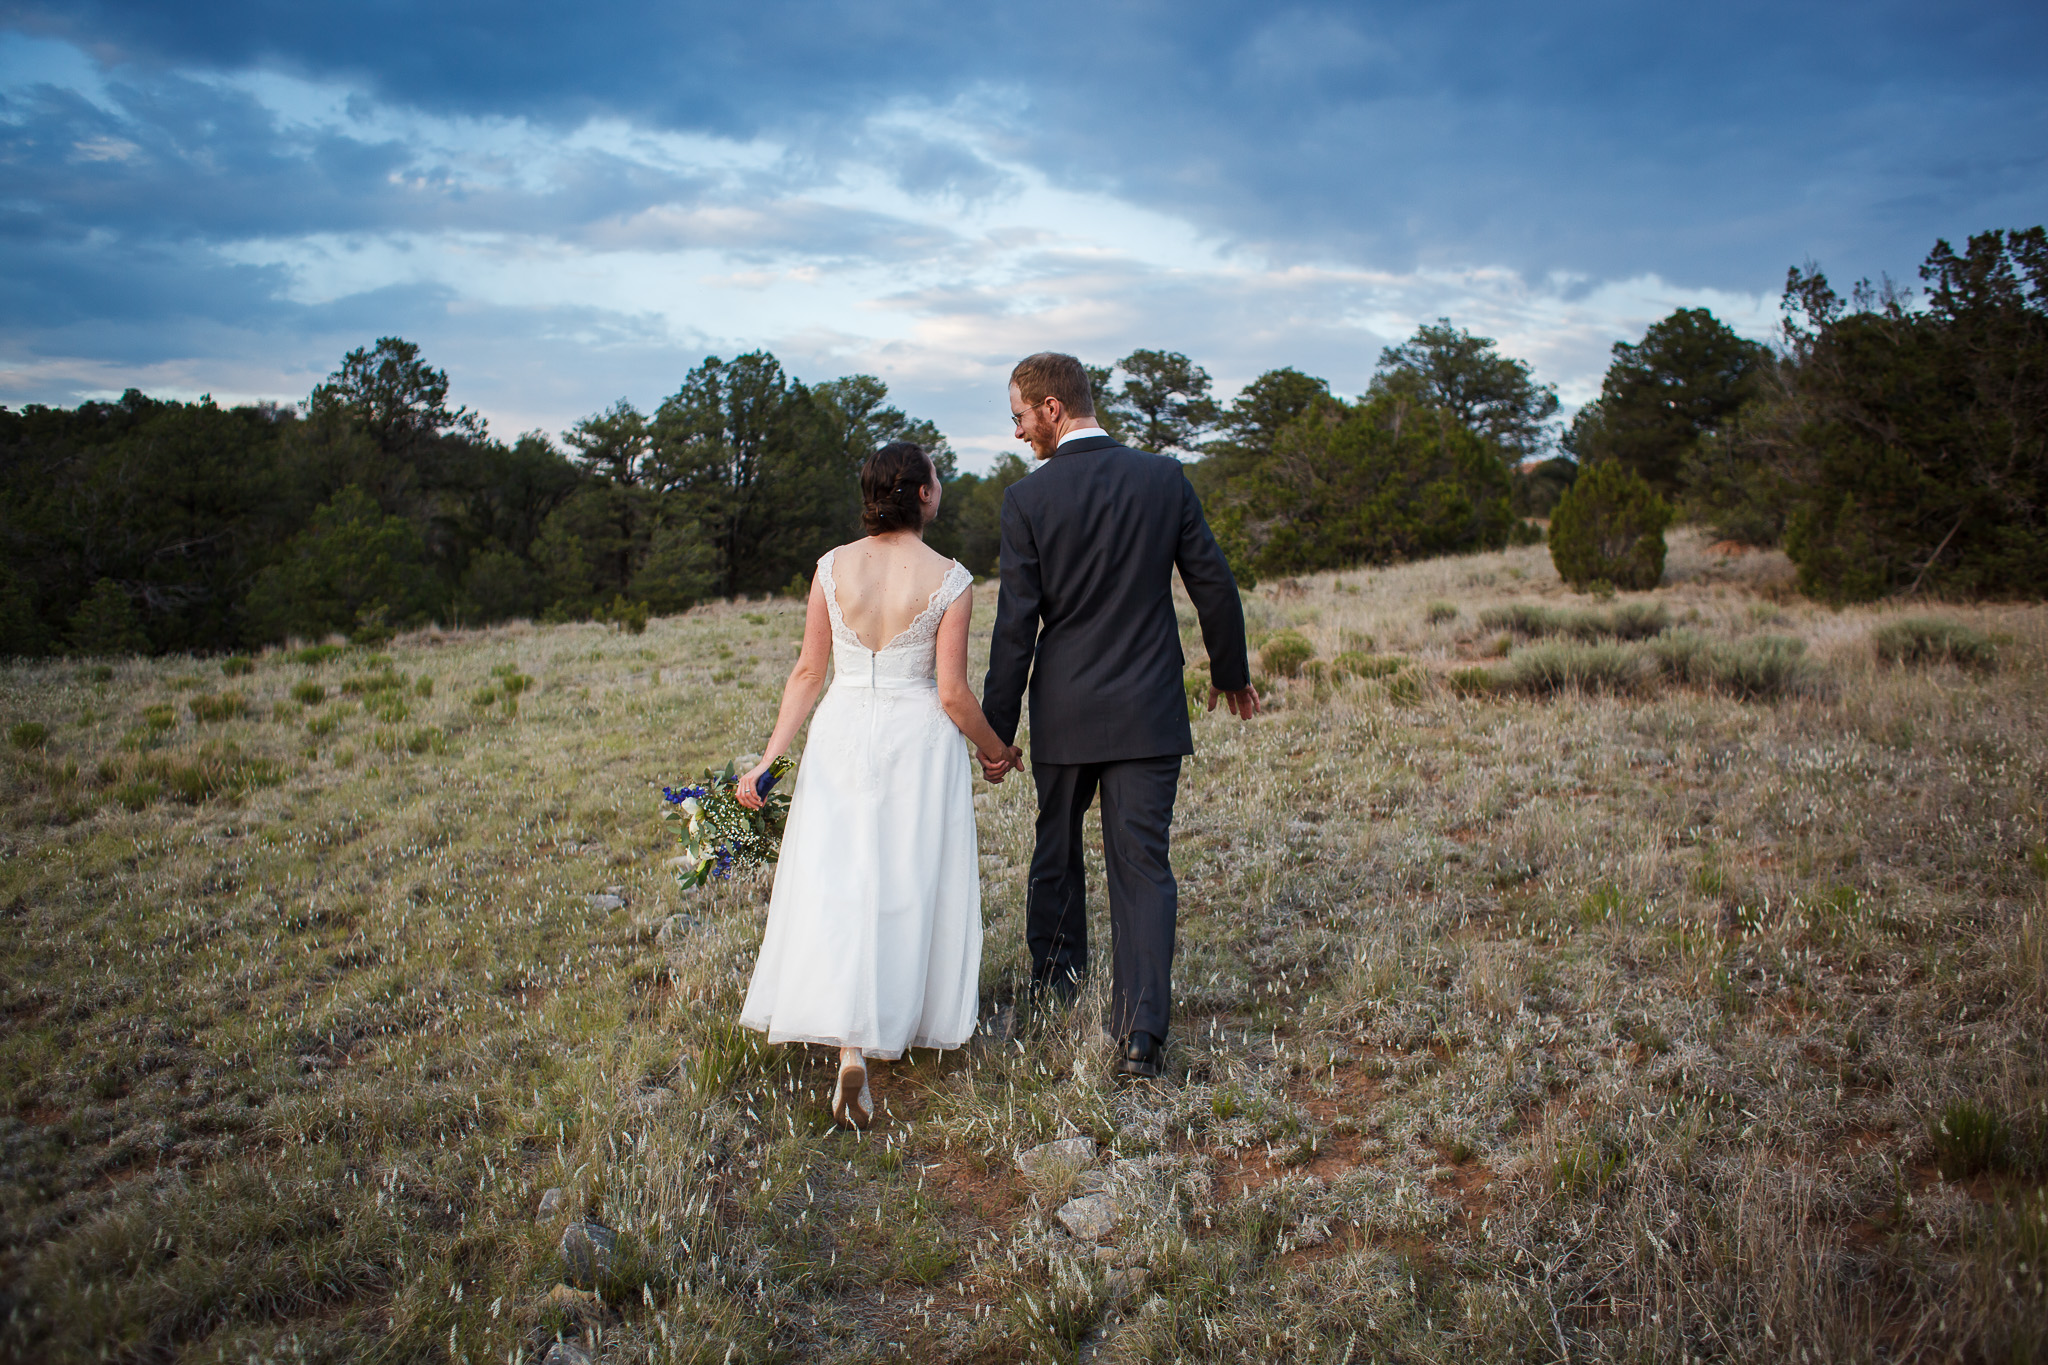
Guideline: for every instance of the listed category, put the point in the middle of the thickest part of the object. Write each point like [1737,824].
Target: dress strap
[958,580]
[839,626]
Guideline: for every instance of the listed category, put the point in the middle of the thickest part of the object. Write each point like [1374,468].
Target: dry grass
[1661,1021]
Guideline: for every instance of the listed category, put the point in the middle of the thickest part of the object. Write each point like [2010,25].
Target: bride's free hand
[749,793]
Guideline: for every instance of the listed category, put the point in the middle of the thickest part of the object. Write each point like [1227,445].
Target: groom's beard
[1043,438]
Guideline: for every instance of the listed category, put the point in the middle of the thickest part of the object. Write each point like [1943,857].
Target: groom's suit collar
[1075,445]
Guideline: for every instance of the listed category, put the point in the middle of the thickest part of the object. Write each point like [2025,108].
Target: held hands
[749,794]
[1243,703]
[996,769]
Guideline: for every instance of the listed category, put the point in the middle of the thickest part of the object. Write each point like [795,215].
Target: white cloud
[563,295]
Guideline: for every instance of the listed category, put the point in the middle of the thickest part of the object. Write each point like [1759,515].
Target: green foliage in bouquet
[717,833]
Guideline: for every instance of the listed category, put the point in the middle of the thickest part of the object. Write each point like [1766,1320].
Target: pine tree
[105,624]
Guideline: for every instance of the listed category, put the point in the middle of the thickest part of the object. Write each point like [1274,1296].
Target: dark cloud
[1711,141]
[1578,143]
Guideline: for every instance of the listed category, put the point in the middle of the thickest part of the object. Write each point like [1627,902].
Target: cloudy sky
[569,204]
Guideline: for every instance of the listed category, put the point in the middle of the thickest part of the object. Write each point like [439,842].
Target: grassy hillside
[1655,979]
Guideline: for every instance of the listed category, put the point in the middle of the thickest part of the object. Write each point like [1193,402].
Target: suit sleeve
[1016,634]
[1213,590]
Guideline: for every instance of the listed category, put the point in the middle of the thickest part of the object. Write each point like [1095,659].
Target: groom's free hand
[1243,703]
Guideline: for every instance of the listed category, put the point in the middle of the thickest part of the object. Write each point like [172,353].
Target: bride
[873,942]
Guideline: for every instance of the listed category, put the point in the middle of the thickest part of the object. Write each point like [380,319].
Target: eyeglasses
[1018,417]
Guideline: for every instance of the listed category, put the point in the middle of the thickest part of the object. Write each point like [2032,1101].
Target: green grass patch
[510,680]
[370,684]
[308,693]
[1970,1138]
[1360,664]
[213,708]
[215,770]
[29,734]
[1473,682]
[236,665]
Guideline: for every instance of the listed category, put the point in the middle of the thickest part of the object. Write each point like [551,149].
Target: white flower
[690,807]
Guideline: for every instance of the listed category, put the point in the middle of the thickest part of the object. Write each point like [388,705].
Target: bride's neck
[899,537]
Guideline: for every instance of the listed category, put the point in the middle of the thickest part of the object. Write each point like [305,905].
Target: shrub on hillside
[1628,621]
[1931,640]
[1609,528]
[1763,667]
[1285,653]
[1558,667]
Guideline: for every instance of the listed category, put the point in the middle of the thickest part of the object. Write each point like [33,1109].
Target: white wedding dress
[874,928]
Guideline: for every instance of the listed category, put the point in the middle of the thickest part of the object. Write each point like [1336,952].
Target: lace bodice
[912,658]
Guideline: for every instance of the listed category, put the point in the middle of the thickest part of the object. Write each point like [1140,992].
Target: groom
[1090,543]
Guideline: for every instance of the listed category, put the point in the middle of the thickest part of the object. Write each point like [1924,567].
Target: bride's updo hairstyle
[889,484]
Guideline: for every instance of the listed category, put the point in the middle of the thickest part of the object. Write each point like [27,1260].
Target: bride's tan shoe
[853,1105]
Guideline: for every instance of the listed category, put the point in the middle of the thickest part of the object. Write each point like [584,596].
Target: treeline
[1442,454]
[1891,444]
[148,525]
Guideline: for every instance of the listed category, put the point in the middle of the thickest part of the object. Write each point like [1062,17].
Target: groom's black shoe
[1141,1058]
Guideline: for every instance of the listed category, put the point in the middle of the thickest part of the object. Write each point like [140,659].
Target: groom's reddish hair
[1053,374]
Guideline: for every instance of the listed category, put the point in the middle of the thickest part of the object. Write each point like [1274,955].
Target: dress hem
[879,1053]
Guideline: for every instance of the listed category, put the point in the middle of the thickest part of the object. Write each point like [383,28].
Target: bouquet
[718,833]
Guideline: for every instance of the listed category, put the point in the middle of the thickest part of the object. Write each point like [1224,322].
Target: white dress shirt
[1078,433]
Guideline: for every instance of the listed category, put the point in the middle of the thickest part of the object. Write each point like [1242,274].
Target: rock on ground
[587,1252]
[1074,1151]
[674,927]
[551,1201]
[575,1303]
[1126,1284]
[1090,1218]
[647,1101]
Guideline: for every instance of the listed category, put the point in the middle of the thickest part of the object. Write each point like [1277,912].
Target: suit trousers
[1137,815]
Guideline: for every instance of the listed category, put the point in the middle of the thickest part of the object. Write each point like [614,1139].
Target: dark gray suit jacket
[1090,542]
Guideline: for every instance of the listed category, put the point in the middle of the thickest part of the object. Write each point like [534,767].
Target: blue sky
[569,204]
